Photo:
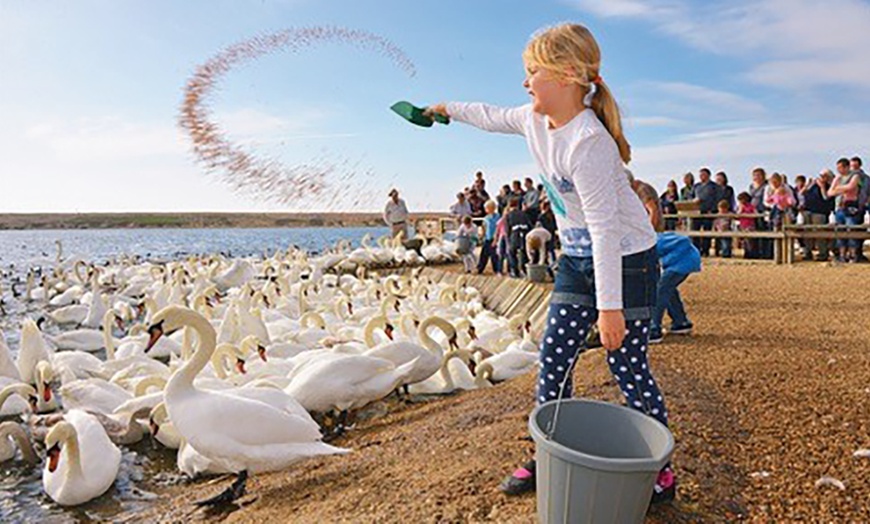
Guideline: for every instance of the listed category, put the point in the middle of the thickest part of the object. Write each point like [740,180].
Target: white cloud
[795,44]
[725,101]
[652,121]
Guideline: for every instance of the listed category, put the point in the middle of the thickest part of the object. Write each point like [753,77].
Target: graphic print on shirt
[556,201]
[576,241]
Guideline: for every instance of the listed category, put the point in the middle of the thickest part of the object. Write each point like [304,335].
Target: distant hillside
[184,220]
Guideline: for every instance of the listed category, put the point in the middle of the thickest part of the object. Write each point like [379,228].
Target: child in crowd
[489,246]
[517,227]
[679,258]
[466,237]
[609,265]
[780,200]
[745,207]
[723,224]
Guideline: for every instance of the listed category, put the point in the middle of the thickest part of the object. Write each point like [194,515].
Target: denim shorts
[575,283]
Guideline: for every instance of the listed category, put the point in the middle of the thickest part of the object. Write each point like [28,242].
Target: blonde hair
[490,205]
[570,53]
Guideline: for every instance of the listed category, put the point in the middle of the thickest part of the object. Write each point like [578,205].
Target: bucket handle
[551,426]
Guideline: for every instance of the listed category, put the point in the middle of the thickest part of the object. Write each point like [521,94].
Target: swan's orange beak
[53,458]
[388,329]
[261,351]
[46,392]
[155,427]
[154,332]
[240,366]
[472,332]
[34,402]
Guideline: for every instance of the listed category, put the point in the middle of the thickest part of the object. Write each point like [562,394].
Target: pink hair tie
[597,80]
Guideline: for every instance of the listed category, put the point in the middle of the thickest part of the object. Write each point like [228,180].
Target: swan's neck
[427,341]
[207,340]
[107,339]
[20,438]
[73,473]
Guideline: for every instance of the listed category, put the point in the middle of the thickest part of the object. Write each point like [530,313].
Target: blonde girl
[609,267]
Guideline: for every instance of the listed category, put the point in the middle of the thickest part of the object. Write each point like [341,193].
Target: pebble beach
[766,398]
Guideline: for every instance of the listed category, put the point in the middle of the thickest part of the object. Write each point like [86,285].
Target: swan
[25,399]
[46,400]
[238,433]
[12,435]
[428,357]
[74,314]
[7,366]
[82,462]
[31,350]
[94,395]
[346,382]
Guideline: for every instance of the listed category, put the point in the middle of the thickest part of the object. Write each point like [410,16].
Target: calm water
[144,468]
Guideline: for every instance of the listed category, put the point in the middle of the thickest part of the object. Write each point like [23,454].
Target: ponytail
[607,110]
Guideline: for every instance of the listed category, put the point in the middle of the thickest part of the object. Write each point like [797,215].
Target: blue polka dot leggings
[565,337]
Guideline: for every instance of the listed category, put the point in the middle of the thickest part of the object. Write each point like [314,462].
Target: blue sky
[90,92]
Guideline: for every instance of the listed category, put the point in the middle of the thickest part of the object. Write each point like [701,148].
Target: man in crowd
[708,194]
[531,201]
[817,208]
[480,186]
[863,197]
[396,215]
[461,207]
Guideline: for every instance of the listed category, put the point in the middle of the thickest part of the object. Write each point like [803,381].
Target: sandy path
[770,394]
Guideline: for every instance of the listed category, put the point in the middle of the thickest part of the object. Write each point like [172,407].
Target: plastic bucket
[537,272]
[601,463]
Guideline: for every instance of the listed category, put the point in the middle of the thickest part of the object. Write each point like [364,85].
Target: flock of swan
[239,364]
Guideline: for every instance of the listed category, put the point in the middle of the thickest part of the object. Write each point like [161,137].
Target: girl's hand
[440,109]
[611,325]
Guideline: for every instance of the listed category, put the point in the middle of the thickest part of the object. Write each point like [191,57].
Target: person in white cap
[396,215]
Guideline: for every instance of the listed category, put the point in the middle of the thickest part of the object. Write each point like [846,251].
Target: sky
[90,93]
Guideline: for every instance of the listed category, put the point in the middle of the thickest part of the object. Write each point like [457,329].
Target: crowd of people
[771,201]
[518,227]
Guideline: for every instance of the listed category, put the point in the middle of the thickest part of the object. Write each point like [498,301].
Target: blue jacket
[678,254]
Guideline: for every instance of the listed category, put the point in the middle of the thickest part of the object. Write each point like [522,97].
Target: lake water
[144,468]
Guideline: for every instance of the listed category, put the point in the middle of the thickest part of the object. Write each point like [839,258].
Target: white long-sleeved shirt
[603,217]
[395,212]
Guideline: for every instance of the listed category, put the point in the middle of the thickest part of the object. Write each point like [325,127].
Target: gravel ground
[769,395]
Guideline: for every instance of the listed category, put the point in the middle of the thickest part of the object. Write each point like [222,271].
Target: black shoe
[520,481]
[682,329]
[655,336]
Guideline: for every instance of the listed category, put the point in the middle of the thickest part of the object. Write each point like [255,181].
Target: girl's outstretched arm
[511,120]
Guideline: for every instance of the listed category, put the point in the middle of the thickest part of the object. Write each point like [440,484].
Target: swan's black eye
[156,328]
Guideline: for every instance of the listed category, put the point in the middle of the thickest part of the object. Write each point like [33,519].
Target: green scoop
[415,115]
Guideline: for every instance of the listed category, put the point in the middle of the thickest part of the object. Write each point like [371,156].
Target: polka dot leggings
[565,337]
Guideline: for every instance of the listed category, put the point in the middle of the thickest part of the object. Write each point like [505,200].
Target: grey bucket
[537,272]
[600,464]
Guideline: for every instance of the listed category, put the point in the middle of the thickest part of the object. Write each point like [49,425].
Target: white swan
[7,365]
[428,357]
[24,398]
[82,461]
[93,394]
[12,435]
[238,433]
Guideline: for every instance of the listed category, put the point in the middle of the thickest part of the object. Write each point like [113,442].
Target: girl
[779,200]
[669,199]
[609,266]
[745,207]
